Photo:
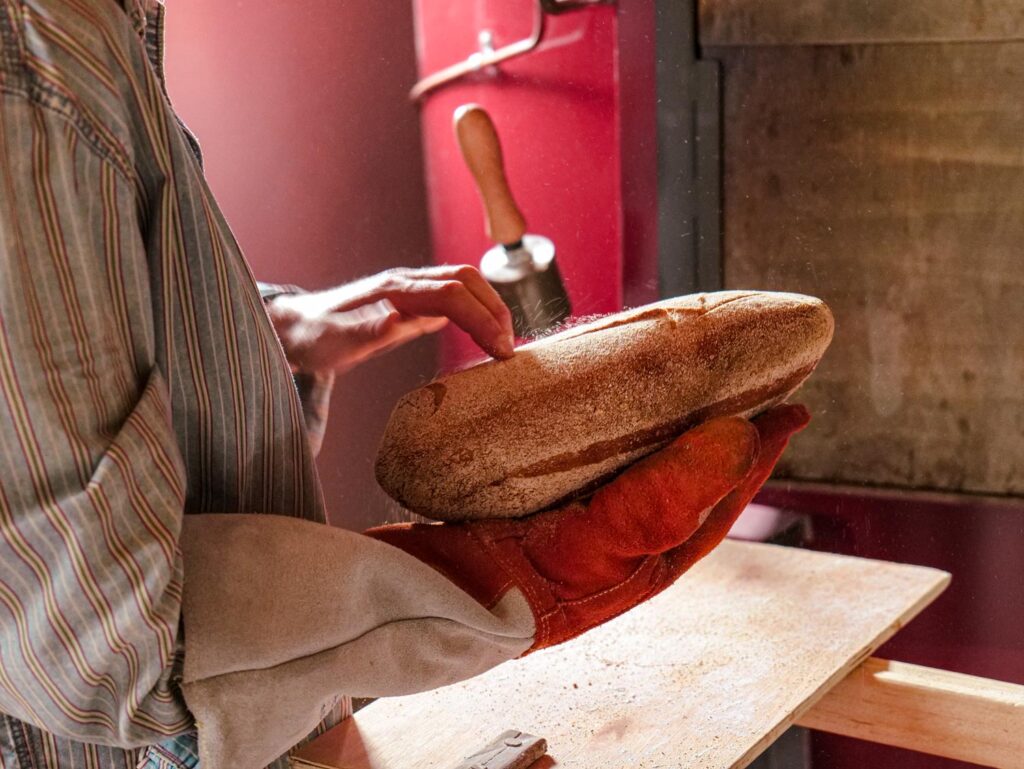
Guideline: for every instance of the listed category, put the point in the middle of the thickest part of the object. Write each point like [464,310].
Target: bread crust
[509,438]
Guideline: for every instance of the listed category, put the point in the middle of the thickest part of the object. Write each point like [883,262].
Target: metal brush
[522,266]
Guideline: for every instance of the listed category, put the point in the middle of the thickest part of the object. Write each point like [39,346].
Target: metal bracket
[561,6]
[510,750]
[689,155]
[488,56]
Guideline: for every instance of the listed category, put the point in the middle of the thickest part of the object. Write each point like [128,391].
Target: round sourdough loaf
[509,438]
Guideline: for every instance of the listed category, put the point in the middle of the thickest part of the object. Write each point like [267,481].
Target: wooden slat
[932,711]
[889,181]
[822,22]
[779,492]
[704,676]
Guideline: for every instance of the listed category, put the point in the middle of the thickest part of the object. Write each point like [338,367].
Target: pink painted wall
[313,152]
[576,121]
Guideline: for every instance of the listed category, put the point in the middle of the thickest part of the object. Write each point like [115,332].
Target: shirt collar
[136,11]
[147,20]
[143,14]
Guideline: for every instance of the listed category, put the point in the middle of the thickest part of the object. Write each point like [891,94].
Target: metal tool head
[512,749]
[522,270]
[526,277]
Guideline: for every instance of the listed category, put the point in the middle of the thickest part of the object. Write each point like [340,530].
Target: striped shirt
[140,380]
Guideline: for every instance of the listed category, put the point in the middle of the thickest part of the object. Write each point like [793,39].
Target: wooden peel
[704,676]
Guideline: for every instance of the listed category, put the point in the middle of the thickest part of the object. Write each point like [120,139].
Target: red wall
[576,121]
[313,152]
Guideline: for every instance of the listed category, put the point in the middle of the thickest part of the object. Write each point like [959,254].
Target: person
[161,558]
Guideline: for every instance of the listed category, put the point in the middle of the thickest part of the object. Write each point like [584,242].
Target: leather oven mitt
[583,564]
[280,616]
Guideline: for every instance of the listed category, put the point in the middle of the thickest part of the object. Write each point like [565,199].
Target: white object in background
[760,523]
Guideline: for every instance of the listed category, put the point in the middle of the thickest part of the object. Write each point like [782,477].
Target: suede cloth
[583,564]
[346,615]
[432,604]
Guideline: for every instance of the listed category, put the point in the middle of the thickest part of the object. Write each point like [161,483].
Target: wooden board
[889,180]
[932,711]
[816,22]
[705,676]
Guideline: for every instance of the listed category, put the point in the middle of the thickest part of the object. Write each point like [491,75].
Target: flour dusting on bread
[508,438]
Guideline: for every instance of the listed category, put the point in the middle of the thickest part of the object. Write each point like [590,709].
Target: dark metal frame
[561,6]
[690,138]
[689,155]
[488,56]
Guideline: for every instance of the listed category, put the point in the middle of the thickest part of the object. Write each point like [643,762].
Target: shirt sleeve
[314,388]
[91,480]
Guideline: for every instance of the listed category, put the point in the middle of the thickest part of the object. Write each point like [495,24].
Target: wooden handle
[482,151]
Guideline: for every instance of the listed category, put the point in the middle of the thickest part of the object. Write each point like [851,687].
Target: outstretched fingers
[456,292]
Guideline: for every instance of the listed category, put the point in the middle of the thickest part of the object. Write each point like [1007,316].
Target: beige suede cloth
[282,615]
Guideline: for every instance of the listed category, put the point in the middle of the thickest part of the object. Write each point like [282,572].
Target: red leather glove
[585,563]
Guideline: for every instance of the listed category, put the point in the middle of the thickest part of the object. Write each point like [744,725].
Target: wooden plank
[821,22]
[931,711]
[704,676]
[778,492]
[889,180]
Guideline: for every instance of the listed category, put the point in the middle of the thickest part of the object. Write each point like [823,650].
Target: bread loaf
[509,438]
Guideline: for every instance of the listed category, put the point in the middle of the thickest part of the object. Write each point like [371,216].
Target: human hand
[584,563]
[337,329]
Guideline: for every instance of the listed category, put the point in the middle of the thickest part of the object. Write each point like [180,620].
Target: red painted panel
[556,110]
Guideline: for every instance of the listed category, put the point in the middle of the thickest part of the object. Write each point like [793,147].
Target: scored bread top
[509,438]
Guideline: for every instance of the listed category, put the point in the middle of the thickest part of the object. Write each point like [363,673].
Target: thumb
[663,499]
[652,507]
[775,427]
